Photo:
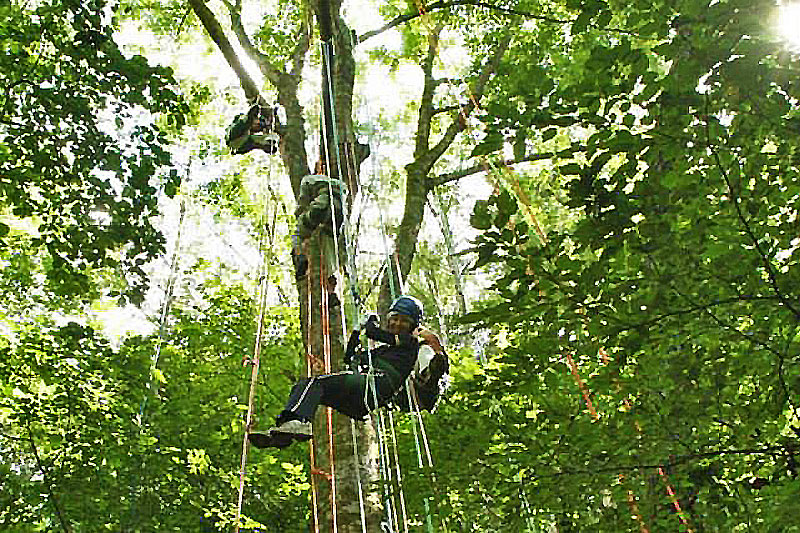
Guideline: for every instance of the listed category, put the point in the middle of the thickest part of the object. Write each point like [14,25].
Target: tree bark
[418,183]
[345,452]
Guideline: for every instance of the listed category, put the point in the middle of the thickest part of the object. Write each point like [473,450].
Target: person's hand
[368,317]
[430,338]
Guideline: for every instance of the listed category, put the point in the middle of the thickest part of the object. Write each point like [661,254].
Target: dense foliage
[642,366]
[674,294]
[84,136]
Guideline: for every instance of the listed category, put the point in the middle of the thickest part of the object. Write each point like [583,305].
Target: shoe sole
[301,437]
[270,440]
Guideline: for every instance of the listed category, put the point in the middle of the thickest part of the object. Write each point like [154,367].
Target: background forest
[596,200]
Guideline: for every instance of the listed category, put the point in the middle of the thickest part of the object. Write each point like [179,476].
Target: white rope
[398,473]
[349,271]
[266,262]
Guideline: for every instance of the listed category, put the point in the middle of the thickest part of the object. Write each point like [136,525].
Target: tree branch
[674,461]
[692,309]
[262,60]
[217,34]
[53,498]
[402,19]
[460,124]
[426,109]
[746,226]
[447,109]
[481,167]
[299,54]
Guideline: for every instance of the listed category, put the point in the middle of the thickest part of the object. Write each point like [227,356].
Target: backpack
[428,382]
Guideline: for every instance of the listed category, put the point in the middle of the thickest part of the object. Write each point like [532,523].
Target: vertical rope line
[413,401]
[357,466]
[326,348]
[326,50]
[400,280]
[310,373]
[420,463]
[398,473]
[417,418]
[256,362]
[392,484]
[391,511]
[169,289]
[378,423]
[334,136]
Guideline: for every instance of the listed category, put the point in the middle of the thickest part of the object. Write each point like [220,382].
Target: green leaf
[570,169]
[481,218]
[490,144]
[581,23]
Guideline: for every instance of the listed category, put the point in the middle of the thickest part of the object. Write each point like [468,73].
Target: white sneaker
[297,429]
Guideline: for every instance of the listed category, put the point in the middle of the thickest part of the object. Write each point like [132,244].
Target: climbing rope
[421,435]
[330,137]
[255,362]
[398,473]
[169,291]
[310,369]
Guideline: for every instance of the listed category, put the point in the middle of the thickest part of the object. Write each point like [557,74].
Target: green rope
[350,267]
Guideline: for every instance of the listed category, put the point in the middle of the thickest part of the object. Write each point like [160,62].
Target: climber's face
[397,324]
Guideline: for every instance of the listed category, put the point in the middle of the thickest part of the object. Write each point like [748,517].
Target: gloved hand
[368,317]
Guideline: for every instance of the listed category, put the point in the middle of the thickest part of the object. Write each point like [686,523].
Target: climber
[347,391]
[255,129]
[317,194]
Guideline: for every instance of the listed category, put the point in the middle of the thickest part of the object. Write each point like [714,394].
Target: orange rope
[326,347]
[593,412]
[310,372]
[582,386]
[674,499]
[256,362]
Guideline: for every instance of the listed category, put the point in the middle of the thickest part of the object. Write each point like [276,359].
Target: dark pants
[344,391]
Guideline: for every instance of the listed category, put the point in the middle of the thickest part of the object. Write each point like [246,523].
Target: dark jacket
[397,355]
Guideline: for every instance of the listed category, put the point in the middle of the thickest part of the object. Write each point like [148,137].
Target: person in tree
[254,130]
[321,202]
[354,393]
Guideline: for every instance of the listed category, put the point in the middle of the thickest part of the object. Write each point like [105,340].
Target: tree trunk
[341,503]
[340,492]
[344,452]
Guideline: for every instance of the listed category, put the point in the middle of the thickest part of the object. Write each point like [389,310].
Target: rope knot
[321,472]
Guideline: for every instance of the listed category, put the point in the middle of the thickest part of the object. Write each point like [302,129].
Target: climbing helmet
[408,306]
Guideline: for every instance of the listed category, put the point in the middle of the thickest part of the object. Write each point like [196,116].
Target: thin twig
[746,226]
[402,19]
[53,498]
